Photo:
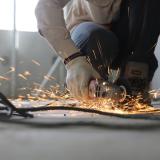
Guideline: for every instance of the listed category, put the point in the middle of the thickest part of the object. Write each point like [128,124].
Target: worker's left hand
[79,75]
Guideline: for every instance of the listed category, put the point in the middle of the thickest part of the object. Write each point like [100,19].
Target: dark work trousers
[132,37]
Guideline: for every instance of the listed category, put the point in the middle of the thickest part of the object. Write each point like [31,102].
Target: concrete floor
[70,138]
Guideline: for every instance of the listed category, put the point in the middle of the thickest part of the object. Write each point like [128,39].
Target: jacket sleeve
[51,24]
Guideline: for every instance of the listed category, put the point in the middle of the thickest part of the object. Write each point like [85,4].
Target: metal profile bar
[14,52]
[50,72]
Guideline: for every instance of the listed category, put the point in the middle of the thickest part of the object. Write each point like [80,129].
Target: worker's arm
[52,26]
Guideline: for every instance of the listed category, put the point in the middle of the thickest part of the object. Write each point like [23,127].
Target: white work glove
[79,74]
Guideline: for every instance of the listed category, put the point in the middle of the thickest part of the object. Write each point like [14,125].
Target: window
[25,18]
[6,14]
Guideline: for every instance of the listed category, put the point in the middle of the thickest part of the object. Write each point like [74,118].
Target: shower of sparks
[106,63]
[113,75]
[2,59]
[155,94]
[35,62]
[12,69]
[22,76]
[54,96]
[99,48]
[94,54]
[108,105]
[4,78]
[27,73]
[49,78]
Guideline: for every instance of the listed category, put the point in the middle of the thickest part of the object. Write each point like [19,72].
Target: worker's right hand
[79,74]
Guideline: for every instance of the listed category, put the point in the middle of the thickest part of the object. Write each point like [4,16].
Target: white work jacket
[56,26]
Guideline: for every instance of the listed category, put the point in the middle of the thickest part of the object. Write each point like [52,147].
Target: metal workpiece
[104,89]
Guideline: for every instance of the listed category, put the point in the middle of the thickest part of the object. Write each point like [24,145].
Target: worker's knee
[103,42]
[90,37]
[82,33]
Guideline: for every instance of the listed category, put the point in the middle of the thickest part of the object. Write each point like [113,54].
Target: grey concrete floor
[85,138]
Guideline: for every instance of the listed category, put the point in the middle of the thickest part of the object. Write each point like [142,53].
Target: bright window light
[6,14]
[25,16]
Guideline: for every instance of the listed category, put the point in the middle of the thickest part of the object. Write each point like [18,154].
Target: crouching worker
[93,35]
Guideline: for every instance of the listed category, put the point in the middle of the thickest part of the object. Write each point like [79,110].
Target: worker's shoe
[136,78]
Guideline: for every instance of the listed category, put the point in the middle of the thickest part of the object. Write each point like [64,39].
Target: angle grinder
[103,89]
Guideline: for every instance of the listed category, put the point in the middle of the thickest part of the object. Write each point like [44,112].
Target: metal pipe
[14,52]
